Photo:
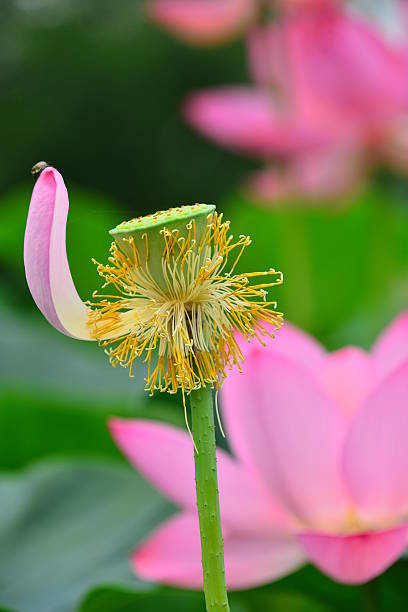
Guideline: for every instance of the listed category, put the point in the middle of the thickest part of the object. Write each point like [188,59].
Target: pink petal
[268,61]
[328,173]
[403,5]
[355,559]
[349,376]
[284,426]
[249,120]
[202,21]
[45,257]
[273,53]
[391,347]
[376,457]
[294,343]
[312,176]
[172,555]
[165,457]
[310,4]
[270,186]
[345,72]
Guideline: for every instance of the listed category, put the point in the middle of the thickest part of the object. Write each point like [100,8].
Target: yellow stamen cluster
[184,322]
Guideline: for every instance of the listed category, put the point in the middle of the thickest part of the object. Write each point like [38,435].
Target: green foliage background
[92,87]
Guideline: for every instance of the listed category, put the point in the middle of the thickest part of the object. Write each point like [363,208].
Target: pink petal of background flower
[353,365]
[202,21]
[295,424]
[357,558]
[391,348]
[376,458]
[297,5]
[250,120]
[309,177]
[345,72]
[172,555]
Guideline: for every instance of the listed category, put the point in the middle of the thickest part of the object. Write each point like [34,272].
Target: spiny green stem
[212,547]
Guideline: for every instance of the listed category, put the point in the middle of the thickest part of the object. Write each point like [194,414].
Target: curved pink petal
[346,73]
[283,425]
[165,456]
[45,257]
[172,555]
[202,21]
[357,558]
[250,120]
[391,347]
[375,455]
[349,376]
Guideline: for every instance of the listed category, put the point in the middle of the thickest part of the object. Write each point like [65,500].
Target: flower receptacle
[146,234]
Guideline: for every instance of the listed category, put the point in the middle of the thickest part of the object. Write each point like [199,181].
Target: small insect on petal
[38,168]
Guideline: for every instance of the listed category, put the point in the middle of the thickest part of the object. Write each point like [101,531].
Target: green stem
[212,547]
[371,596]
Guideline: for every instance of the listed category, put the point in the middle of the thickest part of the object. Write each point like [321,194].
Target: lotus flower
[328,97]
[319,470]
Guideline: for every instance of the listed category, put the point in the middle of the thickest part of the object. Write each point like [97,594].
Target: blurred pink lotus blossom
[328,87]
[202,21]
[319,470]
